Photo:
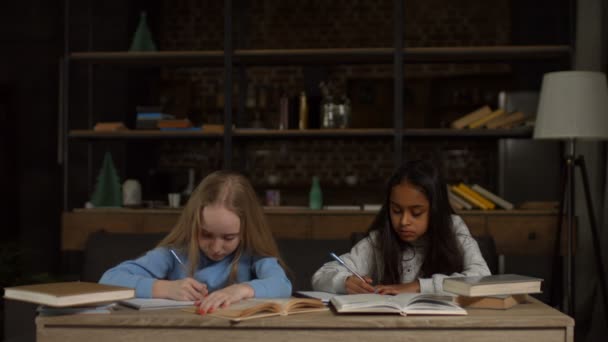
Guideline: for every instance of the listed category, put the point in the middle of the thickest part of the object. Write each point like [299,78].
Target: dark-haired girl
[415,241]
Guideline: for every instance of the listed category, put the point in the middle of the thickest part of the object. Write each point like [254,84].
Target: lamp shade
[572,105]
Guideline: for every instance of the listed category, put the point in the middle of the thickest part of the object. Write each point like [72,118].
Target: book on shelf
[465,120]
[213,128]
[479,123]
[154,116]
[455,205]
[403,304]
[498,302]
[458,202]
[154,303]
[486,202]
[177,123]
[342,207]
[259,308]
[492,285]
[68,293]
[499,201]
[507,120]
[371,207]
[109,126]
[472,200]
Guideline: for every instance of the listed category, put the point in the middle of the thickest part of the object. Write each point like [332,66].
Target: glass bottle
[315,196]
[303,112]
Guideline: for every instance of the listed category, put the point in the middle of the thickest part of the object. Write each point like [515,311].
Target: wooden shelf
[328,133]
[141,134]
[153,58]
[522,132]
[525,132]
[334,56]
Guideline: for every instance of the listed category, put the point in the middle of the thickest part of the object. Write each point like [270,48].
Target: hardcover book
[486,202]
[493,285]
[500,302]
[68,293]
[501,202]
[482,121]
[472,200]
[467,119]
[403,304]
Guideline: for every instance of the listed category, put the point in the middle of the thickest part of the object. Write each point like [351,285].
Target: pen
[338,259]
[176,257]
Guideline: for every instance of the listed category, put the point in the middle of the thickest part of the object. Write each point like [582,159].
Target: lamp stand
[571,162]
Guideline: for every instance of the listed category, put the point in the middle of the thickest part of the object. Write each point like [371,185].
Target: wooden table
[534,321]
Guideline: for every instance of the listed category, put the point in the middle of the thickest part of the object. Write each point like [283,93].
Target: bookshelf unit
[232,58]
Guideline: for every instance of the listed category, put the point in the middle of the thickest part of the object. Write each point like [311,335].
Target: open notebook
[404,304]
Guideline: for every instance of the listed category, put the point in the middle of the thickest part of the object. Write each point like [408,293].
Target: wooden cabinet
[517,232]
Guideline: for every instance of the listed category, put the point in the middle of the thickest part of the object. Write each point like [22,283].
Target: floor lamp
[573,105]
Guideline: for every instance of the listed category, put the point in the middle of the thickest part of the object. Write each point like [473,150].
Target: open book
[404,304]
[68,293]
[258,308]
[155,303]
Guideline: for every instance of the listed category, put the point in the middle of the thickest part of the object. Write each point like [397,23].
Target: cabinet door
[289,226]
[339,226]
[524,235]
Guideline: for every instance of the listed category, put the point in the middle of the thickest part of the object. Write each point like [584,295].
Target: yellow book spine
[469,198]
[489,204]
[482,121]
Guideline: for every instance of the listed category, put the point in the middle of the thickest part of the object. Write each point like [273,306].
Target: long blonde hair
[236,194]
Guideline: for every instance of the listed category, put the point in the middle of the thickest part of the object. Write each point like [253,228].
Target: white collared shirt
[331,276]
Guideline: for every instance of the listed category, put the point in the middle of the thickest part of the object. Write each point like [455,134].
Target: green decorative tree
[108,192]
[142,39]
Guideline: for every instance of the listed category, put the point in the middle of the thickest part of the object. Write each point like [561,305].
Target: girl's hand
[354,285]
[183,289]
[224,297]
[399,288]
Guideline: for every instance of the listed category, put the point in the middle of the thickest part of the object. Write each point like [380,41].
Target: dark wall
[31,40]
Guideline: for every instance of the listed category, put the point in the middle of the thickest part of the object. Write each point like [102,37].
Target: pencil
[176,257]
[338,259]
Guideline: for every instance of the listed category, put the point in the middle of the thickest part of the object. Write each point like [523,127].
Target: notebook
[68,293]
[403,304]
[499,284]
[322,296]
[155,303]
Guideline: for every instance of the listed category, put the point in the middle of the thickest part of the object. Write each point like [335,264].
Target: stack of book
[464,197]
[485,117]
[149,116]
[501,291]
[176,124]
[70,297]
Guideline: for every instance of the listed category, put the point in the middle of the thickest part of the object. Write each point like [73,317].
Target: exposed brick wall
[198,24]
